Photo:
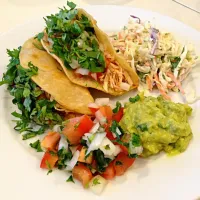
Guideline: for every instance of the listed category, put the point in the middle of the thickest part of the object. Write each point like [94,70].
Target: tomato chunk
[48,161]
[50,141]
[109,135]
[118,116]
[106,112]
[82,173]
[109,173]
[76,128]
[122,163]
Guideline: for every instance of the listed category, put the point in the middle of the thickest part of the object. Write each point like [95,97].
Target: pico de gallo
[94,149]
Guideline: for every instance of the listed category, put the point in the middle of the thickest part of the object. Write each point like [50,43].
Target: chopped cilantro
[142,127]
[96,181]
[36,145]
[67,29]
[63,156]
[49,167]
[133,155]
[136,140]
[114,127]
[32,110]
[39,36]
[70,179]
[76,125]
[117,108]
[134,99]
[107,147]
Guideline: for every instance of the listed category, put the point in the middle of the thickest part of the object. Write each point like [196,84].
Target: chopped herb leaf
[117,108]
[142,127]
[96,181]
[36,145]
[136,142]
[134,99]
[63,156]
[70,179]
[40,36]
[133,155]
[114,127]
[71,4]
[107,147]
[49,167]
[76,125]
[32,109]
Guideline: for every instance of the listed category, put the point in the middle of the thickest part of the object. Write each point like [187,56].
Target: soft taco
[69,96]
[85,52]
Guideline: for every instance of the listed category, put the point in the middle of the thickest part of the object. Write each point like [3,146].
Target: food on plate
[160,124]
[52,80]
[42,93]
[158,58]
[94,150]
[85,52]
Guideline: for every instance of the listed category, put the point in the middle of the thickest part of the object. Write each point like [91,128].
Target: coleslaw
[157,57]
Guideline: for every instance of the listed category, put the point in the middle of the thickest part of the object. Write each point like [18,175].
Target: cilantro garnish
[49,167]
[96,181]
[117,108]
[134,99]
[76,125]
[34,107]
[70,179]
[63,156]
[107,147]
[73,39]
[39,36]
[36,145]
[114,128]
[136,142]
[142,127]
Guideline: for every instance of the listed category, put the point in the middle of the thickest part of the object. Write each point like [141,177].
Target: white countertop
[15,12]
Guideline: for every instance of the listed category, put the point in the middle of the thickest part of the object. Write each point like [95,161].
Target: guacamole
[161,124]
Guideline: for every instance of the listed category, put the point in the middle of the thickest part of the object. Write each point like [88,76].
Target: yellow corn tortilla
[105,42]
[52,80]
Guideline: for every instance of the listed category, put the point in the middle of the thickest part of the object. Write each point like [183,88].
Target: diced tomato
[48,161]
[122,163]
[82,173]
[76,128]
[50,141]
[109,135]
[82,157]
[93,110]
[78,75]
[106,112]
[109,173]
[94,164]
[118,116]
[124,149]
[79,147]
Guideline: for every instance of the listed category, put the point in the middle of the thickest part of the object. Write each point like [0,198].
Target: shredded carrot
[159,86]
[176,81]
[149,82]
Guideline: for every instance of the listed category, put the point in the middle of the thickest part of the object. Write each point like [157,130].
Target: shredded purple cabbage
[135,17]
[154,37]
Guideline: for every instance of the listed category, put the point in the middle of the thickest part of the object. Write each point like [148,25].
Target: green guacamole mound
[161,124]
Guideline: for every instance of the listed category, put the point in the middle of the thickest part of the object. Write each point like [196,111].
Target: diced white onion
[94,76]
[118,131]
[102,101]
[114,135]
[94,128]
[63,143]
[82,71]
[136,150]
[96,142]
[125,86]
[56,128]
[117,150]
[70,164]
[107,147]
[80,43]
[99,116]
[97,184]
[95,120]
[74,64]
[93,105]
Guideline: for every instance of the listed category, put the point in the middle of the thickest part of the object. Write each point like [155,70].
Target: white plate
[159,177]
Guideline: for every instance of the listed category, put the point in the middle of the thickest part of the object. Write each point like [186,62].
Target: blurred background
[20,11]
